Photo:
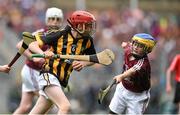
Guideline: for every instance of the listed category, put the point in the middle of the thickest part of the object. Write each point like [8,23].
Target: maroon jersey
[37,65]
[140,81]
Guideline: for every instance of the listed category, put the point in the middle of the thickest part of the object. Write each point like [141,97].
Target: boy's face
[138,48]
[54,22]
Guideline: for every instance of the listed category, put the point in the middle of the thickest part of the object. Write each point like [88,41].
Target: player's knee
[65,107]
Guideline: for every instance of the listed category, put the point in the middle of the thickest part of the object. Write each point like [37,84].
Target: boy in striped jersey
[133,90]
[74,39]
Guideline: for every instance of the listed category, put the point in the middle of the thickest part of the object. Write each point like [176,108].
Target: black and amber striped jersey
[63,42]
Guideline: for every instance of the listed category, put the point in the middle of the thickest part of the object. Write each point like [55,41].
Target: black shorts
[177,93]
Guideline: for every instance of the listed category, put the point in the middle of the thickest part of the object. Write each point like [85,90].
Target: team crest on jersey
[73,48]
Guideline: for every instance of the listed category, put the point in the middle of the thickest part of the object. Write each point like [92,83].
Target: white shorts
[29,79]
[125,101]
[47,79]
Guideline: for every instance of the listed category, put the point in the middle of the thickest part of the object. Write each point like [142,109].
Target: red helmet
[83,17]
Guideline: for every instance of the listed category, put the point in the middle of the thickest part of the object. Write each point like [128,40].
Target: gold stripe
[60,45]
[88,44]
[69,72]
[149,43]
[55,64]
[69,45]
[62,71]
[40,42]
[79,46]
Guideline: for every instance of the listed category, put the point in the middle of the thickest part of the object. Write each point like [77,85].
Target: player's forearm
[34,47]
[125,74]
[128,73]
[4,68]
[168,77]
[27,53]
[88,63]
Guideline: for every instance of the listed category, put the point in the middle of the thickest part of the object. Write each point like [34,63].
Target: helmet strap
[74,27]
[138,56]
[77,29]
[83,28]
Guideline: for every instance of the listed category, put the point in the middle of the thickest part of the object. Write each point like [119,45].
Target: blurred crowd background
[117,21]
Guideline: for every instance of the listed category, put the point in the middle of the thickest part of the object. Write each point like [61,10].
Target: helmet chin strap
[83,30]
[138,56]
[80,33]
[53,27]
[74,28]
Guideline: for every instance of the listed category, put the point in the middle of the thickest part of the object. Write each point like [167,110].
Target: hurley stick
[27,39]
[105,57]
[103,93]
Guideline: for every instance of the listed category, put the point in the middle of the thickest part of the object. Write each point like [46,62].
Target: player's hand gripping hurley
[105,57]
[27,39]
[103,93]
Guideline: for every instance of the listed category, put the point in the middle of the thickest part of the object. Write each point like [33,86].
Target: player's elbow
[168,72]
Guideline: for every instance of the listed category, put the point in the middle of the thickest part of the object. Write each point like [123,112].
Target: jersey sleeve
[174,64]
[141,66]
[138,65]
[52,37]
[38,38]
[90,50]
[142,69]
[47,38]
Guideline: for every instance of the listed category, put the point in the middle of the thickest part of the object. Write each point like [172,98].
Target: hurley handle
[43,56]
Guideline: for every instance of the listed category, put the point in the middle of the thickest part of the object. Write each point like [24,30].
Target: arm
[170,70]
[125,74]
[4,68]
[79,65]
[168,81]
[34,47]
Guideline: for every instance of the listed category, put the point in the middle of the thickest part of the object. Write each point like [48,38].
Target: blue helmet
[147,40]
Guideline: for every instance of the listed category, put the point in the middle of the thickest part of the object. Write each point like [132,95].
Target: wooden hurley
[105,57]
[27,39]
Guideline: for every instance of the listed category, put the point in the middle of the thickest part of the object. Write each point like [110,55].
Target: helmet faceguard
[54,13]
[83,22]
[144,40]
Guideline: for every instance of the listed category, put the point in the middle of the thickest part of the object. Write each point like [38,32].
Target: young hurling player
[30,71]
[133,90]
[75,39]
